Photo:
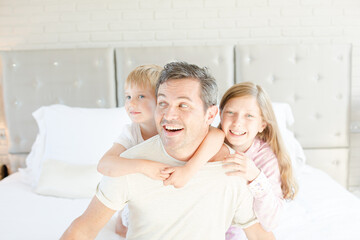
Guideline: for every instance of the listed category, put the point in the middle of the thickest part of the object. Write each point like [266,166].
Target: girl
[140,106]
[250,128]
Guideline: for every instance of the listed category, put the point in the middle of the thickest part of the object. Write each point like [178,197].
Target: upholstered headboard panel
[314,80]
[75,77]
[219,60]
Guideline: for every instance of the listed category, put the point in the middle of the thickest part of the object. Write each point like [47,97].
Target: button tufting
[100,102]
[14,65]
[56,64]
[318,115]
[98,62]
[296,97]
[78,83]
[17,103]
[294,59]
[339,96]
[37,83]
[340,58]
[317,78]
[248,59]
[272,79]
[59,101]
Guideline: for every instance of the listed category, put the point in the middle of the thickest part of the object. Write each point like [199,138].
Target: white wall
[35,24]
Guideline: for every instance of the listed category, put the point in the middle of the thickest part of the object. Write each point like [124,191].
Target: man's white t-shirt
[203,209]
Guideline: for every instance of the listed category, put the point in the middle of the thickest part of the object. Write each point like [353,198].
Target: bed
[63,110]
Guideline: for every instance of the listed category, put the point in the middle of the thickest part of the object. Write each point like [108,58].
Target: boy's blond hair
[144,76]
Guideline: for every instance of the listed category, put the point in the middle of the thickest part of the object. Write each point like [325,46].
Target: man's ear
[211,114]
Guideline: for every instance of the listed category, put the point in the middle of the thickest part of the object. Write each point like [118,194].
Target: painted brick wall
[35,24]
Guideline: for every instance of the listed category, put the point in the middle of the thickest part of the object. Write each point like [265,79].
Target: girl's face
[241,121]
[140,104]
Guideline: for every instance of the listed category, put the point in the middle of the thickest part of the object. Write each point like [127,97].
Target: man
[207,205]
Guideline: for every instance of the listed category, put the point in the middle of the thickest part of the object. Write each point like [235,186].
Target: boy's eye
[249,115]
[127,97]
[141,96]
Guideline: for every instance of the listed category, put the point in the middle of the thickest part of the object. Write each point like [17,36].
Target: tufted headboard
[313,79]
[76,77]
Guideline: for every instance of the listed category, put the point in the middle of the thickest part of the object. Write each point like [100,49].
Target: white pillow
[62,179]
[285,119]
[78,136]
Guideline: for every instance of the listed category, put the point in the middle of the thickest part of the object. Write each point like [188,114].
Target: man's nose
[171,113]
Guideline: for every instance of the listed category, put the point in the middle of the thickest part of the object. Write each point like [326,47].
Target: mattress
[323,209]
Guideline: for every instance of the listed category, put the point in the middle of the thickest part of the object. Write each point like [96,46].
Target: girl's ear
[263,126]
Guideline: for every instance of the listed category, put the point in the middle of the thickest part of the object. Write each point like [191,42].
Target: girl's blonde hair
[144,76]
[270,134]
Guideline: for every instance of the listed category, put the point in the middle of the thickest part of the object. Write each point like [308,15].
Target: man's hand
[179,177]
[242,166]
[154,170]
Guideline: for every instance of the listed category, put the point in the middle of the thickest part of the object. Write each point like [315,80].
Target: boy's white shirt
[203,209]
[130,135]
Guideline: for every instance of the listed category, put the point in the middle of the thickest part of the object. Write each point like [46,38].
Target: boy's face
[140,103]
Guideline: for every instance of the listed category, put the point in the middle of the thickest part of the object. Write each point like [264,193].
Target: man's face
[180,117]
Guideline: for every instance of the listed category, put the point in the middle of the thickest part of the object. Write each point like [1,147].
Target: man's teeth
[237,133]
[172,128]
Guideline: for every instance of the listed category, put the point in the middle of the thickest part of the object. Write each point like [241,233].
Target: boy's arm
[207,149]
[112,165]
[88,225]
[256,232]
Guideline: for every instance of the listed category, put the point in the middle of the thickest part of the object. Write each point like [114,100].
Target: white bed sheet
[27,215]
[322,210]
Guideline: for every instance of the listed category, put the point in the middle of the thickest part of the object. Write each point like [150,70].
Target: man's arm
[256,232]
[88,225]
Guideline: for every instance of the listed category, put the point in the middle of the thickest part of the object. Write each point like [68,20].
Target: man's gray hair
[180,70]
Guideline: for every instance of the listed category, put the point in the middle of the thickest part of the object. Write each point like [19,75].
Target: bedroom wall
[35,24]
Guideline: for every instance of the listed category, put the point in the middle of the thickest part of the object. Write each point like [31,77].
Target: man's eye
[162,104]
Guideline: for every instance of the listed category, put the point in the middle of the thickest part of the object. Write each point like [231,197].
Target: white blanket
[322,210]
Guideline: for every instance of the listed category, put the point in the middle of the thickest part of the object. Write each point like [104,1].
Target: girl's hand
[154,170]
[241,165]
[179,177]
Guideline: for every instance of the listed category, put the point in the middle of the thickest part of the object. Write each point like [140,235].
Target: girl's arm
[207,149]
[264,184]
[112,165]
[268,196]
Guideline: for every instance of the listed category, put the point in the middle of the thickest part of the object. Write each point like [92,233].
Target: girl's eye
[250,116]
[127,97]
